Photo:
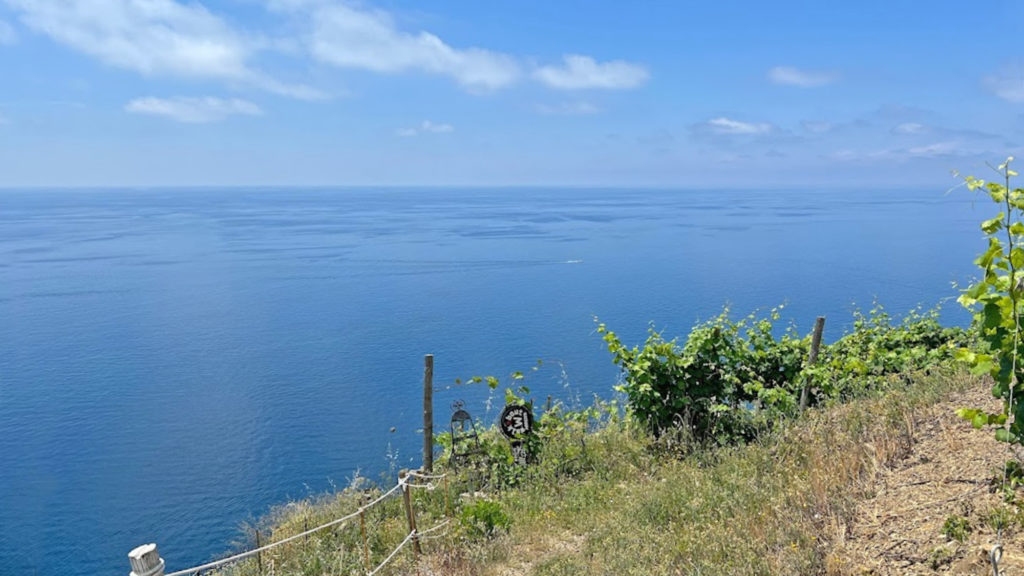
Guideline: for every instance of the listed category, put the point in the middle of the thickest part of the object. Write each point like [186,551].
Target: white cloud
[730,127]
[910,128]
[153,38]
[939,149]
[1009,85]
[348,37]
[581,72]
[943,149]
[578,108]
[789,76]
[426,127]
[193,110]
[7,34]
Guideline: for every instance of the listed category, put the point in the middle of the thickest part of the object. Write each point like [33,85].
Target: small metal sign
[516,421]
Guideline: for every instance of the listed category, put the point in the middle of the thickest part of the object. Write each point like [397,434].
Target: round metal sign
[516,421]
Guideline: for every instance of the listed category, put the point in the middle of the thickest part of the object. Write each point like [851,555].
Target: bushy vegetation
[731,380]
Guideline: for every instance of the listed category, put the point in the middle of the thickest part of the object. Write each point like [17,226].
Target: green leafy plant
[484,518]
[733,379]
[878,348]
[956,528]
[728,379]
[995,302]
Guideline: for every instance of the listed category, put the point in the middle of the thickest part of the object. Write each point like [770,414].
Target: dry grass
[790,503]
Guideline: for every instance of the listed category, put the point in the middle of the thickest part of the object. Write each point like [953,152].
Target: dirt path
[948,473]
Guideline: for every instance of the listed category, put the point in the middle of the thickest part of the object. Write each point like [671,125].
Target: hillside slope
[947,475]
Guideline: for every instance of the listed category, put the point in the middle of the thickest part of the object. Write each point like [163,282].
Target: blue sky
[331,92]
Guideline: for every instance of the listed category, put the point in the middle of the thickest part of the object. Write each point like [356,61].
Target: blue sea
[173,362]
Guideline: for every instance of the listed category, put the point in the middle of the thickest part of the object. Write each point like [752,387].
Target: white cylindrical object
[146,561]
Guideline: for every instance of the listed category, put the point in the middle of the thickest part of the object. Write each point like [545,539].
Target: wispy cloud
[910,128]
[943,149]
[728,127]
[1008,85]
[936,131]
[426,127]
[577,108]
[582,72]
[7,34]
[790,76]
[937,149]
[349,37]
[185,39]
[154,38]
[193,110]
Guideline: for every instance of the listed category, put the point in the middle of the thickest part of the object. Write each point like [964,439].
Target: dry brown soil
[949,471]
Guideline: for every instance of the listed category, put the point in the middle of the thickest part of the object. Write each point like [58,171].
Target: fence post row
[428,413]
[146,561]
[812,359]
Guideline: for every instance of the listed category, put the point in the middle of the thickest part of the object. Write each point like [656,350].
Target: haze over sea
[175,361]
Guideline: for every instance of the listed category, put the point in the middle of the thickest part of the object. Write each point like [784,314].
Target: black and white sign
[516,421]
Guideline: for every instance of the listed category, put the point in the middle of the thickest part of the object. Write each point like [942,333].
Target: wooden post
[447,499]
[366,547]
[410,514]
[812,359]
[146,561]
[428,413]
[259,555]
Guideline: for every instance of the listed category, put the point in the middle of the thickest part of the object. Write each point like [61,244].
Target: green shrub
[878,348]
[484,518]
[722,384]
[733,379]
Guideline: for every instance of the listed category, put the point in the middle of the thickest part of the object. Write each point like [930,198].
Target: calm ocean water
[174,362]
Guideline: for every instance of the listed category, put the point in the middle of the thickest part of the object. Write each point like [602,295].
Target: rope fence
[146,561]
[380,566]
[413,535]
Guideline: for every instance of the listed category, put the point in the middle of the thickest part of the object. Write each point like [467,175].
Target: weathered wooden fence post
[259,555]
[410,514]
[366,547]
[812,359]
[428,413]
[146,561]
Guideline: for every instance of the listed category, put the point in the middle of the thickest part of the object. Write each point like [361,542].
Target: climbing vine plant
[995,301]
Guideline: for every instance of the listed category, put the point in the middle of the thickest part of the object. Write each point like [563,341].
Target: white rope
[427,476]
[423,535]
[428,487]
[255,551]
[408,537]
